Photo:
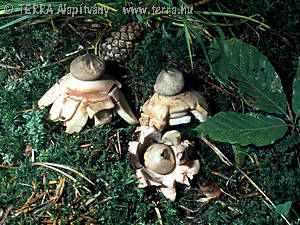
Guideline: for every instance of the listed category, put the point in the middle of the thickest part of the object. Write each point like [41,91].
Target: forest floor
[34,54]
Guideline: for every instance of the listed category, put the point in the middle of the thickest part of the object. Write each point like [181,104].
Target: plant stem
[234,16]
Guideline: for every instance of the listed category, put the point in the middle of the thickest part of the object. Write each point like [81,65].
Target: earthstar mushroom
[170,104]
[86,92]
[162,160]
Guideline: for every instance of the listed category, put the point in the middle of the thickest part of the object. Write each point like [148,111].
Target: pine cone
[120,44]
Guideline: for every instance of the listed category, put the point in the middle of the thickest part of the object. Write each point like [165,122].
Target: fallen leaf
[210,189]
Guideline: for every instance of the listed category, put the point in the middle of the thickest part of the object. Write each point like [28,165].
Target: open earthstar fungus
[86,92]
[162,160]
[170,104]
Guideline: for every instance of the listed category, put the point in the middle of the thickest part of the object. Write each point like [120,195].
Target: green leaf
[239,155]
[284,209]
[243,129]
[258,83]
[296,92]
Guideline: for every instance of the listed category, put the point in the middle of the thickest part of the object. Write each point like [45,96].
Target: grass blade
[16,21]
[188,41]
[199,38]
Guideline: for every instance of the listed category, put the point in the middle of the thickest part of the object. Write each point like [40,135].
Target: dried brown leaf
[210,189]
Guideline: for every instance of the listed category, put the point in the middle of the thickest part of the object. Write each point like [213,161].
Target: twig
[249,195]
[32,155]
[263,194]
[223,90]
[231,196]
[216,150]
[12,179]
[28,203]
[105,200]
[5,215]
[78,33]
[119,144]
[8,167]
[85,145]
[92,199]
[158,213]
[33,193]
[9,67]
[90,219]
[233,209]
[223,176]
[227,162]
[35,209]
[188,209]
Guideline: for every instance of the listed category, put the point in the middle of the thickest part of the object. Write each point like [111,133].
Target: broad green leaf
[258,83]
[284,209]
[296,92]
[243,129]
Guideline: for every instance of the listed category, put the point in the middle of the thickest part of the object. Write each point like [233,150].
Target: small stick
[9,67]
[8,167]
[223,176]
[158,213]
[5,215]
[219,88]
[105,200]
[263,194]
[32,155]
[216,150]
[92,199]
[249,195]
[119,145]
[187,209]
[227,162]
[78,33]
[231,196]
[12,179]
[28,203]
[85,145]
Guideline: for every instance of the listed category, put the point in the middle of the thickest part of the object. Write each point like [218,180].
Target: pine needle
[67,168]
[108,7]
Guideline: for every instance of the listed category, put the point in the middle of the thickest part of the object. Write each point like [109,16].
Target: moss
[115,199]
